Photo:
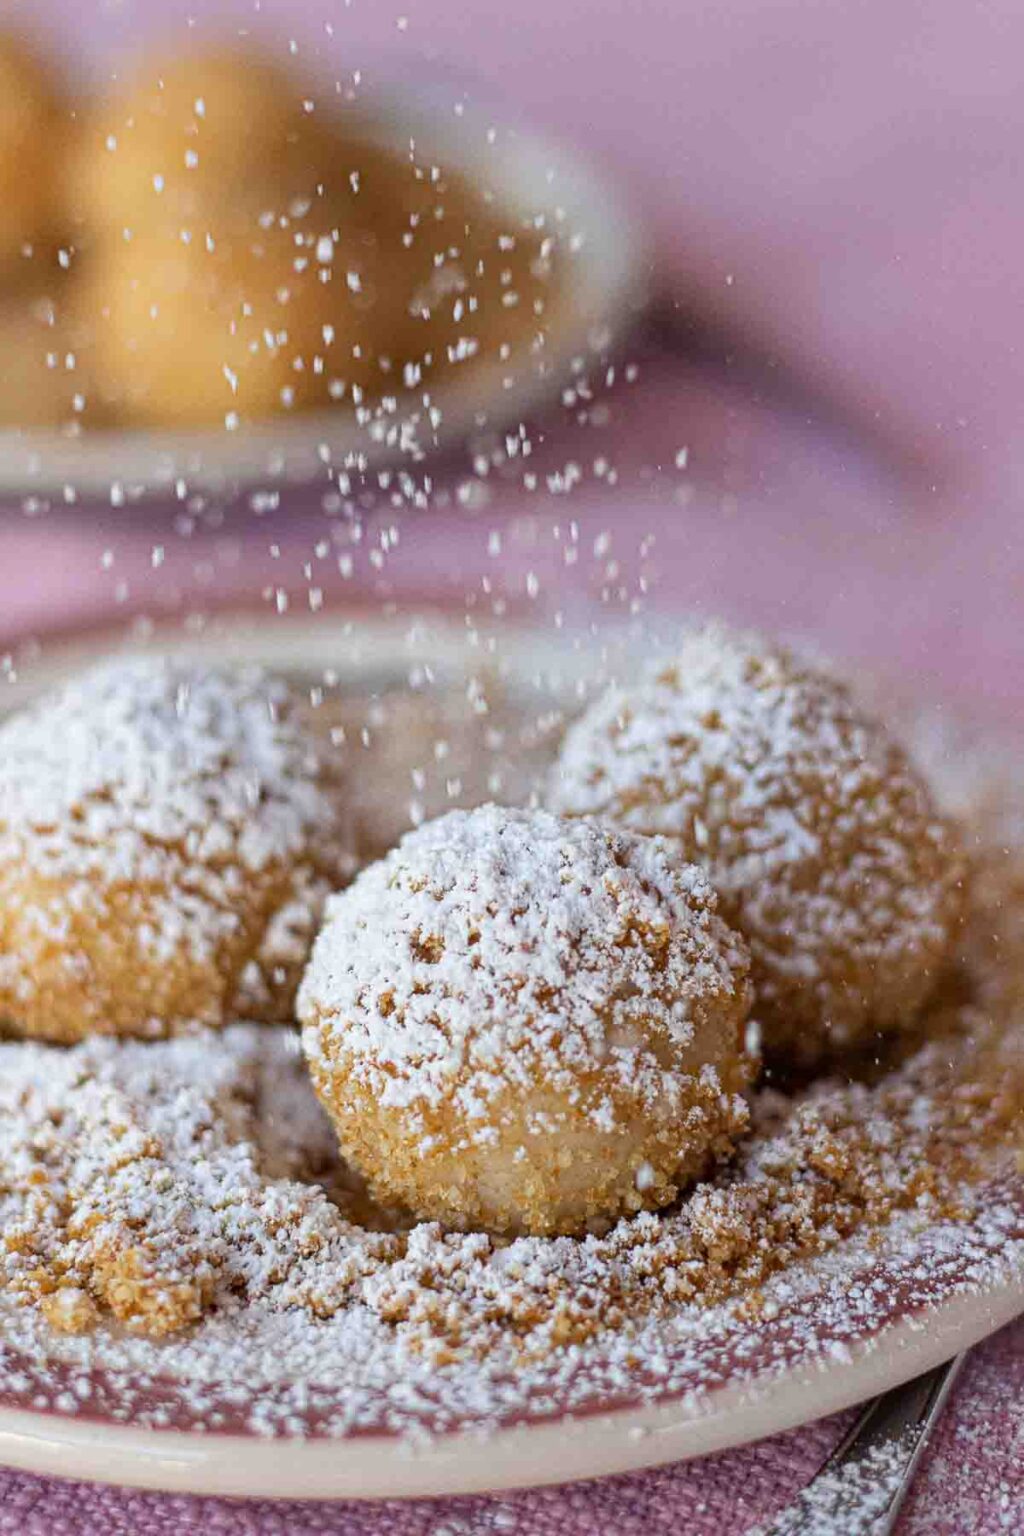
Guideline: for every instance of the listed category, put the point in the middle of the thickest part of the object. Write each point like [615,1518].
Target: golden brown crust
[527,1024]
[183,138]
[35,125]
[93,971]
[238,331]
[583,1184]
[46,372]
[248,251]
[821,839]
[170,837]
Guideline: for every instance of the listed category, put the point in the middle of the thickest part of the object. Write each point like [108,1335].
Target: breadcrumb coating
[822,841]
[143,1181]
[528,1024]
[167,836]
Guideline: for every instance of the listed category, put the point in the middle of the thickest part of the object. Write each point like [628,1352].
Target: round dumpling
[168,833]
[257,322]
[528,1024]
[187,139]
[821,839]
[247,250]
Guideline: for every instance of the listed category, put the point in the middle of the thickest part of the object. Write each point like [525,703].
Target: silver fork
[860,1489]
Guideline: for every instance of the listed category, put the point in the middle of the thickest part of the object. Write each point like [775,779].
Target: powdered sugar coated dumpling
[528,1024]
[167,835]
[820,838]
[257,277]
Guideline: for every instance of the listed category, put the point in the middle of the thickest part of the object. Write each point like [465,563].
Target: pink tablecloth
[971,1484]
[838,187]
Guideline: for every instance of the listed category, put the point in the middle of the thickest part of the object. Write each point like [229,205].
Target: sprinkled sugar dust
[363,500]
[183,1248]
[418,294]
[180,1243]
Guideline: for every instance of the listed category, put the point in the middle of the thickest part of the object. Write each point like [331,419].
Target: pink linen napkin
[971,1483]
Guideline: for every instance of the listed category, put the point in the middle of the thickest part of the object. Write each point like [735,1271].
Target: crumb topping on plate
[181,1248]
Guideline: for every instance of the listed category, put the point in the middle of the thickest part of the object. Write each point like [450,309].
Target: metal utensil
[861,1487]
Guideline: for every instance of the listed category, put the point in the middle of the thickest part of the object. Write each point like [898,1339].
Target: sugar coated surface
[180,1246]
[815,829]
[517,946]
[146,753]
[154,807]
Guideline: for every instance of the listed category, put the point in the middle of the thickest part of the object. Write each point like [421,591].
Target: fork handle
[860,1489]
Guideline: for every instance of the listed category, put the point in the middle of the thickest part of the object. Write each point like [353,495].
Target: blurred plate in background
[532,175]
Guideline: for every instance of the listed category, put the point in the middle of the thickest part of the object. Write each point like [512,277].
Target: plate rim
[565,1448]
[575,1445]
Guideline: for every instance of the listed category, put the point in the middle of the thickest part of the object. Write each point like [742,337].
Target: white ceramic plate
[527,172]
[926,1293]
[569,1448]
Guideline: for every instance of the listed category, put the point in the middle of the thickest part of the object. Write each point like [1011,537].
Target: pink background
[836,188]
[835,191]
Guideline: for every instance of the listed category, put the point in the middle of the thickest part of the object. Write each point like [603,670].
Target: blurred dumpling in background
[35,123]
[239,325]
[46,372]
[213,198]
[248,251]
[190,140]
[234,244]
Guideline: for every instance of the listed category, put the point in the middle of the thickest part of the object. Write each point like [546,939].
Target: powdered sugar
[526,1024]
[155,1197]
[156,796]
[143,1178]
[144,753]
[850,1205]
[434,742]
[819,838]
[516,945]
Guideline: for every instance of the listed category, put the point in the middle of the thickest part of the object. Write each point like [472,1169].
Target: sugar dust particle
[473,494]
